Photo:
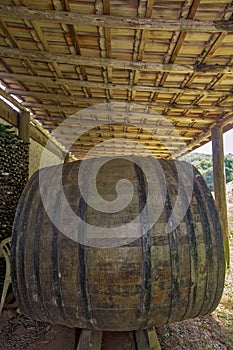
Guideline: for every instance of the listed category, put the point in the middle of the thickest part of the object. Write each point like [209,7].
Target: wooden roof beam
[149,145]
[103,135]
[97,85]
[79,99]
[120,151]
[108,142]
[180,40]
[43,42]
[50,124]
[138,47]
[36,55]
[72,31]
[15,44]
[180,140]
[36,132]
[81,154]
[152,117]
[116,21]
[204,137]
[104,40]
[91,123]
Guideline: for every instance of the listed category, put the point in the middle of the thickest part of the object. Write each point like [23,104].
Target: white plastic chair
[5,249]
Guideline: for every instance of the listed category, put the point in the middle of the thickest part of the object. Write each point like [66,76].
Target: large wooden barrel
[160,276]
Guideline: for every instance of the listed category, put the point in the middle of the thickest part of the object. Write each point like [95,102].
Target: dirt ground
[19,332]
[207,333]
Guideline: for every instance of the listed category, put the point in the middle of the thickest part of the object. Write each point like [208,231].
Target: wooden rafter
[79,99]
[75,109]
[178,139]
[104,42]
[163,139]
[204,137]
[15,45]
[152,146]
[155,124]
[78,83]
[36,132]
[44,43]
[179,43]
[116,21]
[81,71]
[43,56]
[149,126]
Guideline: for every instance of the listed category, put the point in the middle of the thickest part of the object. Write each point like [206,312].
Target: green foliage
[229,168]
[203,162]
[208,176]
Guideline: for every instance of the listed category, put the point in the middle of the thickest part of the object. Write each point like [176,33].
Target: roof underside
[156,72]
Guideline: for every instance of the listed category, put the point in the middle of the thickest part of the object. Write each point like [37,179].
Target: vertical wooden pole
[90,340]
[153,340]
[141,339]
[67,158]
[24,123]
[24,127]
[147,339]
[220,184]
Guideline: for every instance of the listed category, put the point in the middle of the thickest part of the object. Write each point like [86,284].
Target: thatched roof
[158,72]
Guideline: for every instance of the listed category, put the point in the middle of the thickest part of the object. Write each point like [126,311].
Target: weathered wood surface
[153,340]
[87,100]
[44,56]
[158,278]
[220,184]
[24,126]
[97,85]
[117,22]
[90,340]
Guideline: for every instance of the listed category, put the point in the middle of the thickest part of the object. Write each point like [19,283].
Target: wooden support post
[24,128]
[8,114]
[90,340]
[220,184]
[147,340]
[141,339]
[153,340]
[24,123]
[68,158]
